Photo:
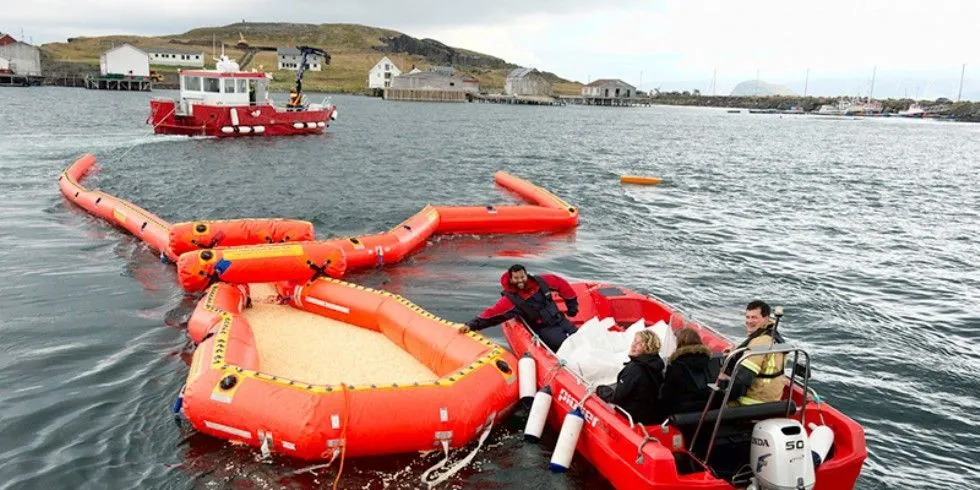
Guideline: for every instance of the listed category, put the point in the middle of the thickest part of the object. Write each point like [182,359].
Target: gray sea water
[865,230]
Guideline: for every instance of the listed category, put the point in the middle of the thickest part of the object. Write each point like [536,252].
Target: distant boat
[914,110]
[734,111]
[848,107]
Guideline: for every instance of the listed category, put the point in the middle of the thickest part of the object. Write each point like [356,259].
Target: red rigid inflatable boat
[618,449]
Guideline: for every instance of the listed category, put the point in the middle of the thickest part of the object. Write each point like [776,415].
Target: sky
[910,48]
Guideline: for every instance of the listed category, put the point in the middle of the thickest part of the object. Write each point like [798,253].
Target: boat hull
[232,121]
[609,442]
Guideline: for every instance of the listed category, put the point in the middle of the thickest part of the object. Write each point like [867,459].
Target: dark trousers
[554,335]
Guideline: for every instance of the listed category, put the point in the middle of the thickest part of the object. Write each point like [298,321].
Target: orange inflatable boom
[171,240]
[227,394]
[332,258]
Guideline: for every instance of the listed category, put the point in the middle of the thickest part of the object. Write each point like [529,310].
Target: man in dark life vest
[529,297]
[761,378]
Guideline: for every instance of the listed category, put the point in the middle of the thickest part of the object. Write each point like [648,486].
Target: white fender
[333,115]
[258,129]
[538,415]
[244,129]
[227,129]
[311,125]
[821,439]
[298,125]
[234,117]
[571,428]
[527,378]
[321,124]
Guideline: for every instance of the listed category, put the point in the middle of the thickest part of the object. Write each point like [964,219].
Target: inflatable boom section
[227,395]
[172,240]
[301,261]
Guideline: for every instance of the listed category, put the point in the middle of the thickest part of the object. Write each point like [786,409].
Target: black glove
[572,307]
[605,392]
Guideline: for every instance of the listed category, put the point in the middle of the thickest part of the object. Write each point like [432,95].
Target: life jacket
[539,309]
[770,369]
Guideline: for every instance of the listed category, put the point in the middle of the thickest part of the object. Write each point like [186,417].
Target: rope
[459,465]
[336,452]
[343,436]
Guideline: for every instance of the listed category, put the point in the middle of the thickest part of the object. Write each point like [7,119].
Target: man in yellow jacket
[760,379]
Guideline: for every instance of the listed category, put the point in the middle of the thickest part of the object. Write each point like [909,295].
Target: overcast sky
[918,47]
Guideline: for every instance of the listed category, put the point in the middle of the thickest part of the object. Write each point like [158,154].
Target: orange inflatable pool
[230,394]
[171,240]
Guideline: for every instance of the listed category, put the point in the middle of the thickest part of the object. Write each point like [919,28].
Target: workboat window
[192,84]
[229,85]
[212,85]
[242,85]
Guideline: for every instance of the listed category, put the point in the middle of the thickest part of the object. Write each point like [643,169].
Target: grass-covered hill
[353,49]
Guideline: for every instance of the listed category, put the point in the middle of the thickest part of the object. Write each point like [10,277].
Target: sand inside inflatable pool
[305,347]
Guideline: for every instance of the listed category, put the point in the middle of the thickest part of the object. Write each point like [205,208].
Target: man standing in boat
[529,297]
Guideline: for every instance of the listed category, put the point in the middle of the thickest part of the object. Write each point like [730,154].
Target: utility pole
[959,95]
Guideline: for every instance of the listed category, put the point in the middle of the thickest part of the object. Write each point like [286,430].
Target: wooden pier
[423,95]
[134,84]
[13,80]
[606,101]
[516,99]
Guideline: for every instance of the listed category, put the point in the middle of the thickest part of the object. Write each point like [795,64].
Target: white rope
[310,469]
[456,467]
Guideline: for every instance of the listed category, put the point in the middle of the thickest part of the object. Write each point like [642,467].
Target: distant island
[758,87]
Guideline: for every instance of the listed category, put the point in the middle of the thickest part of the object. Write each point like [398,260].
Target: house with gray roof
[526,81]
[289,60]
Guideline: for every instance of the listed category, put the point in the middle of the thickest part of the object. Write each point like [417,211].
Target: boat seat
[734,414]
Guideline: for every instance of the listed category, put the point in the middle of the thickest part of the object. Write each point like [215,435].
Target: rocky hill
[353,50]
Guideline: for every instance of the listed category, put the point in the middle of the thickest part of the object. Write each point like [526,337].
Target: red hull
[610,444]
[252,120]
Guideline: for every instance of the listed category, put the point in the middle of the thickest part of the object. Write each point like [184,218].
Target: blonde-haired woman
[638,383]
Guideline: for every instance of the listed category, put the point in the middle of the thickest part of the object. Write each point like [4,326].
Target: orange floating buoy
[638,179]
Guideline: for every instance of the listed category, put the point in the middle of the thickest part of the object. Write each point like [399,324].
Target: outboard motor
[780,456]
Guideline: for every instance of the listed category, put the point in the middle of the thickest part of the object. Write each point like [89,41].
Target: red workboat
[726,457]
[229,102]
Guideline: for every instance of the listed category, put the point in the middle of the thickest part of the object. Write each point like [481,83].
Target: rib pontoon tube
[172,240]
[228,394]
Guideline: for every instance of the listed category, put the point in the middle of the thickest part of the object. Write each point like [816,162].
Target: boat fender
[821,439]
[244,129]
[571,428]
[311,125]
[227,129]
[333,115]
[298,125]
[538,415]
[527,379]
[258,129]
[321,124]
[234,117]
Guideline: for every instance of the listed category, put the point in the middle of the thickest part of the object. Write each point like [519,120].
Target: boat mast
[959,95]
[806,82]
[872,93]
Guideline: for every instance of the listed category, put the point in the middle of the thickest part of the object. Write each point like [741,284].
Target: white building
[125,60]
[4,63]
[606,88]
[22,58]
[175,57]
[380,76]
[289,60]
